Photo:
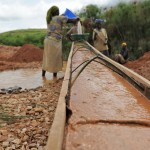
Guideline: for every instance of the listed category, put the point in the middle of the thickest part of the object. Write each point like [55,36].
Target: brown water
[25,78]
[108,112]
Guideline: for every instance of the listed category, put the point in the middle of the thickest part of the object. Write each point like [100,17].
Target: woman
[73,30]
[52,56]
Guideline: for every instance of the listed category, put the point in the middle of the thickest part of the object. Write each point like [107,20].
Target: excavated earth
[141,65]
[26,116]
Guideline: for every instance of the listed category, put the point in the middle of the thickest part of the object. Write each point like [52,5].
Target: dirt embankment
[27,56]
[141,65]
[27,53]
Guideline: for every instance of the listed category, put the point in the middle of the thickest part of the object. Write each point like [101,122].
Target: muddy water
[27,78]
[108,112]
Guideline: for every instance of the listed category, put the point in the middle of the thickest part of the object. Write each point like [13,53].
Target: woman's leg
[43,73]
[54,74]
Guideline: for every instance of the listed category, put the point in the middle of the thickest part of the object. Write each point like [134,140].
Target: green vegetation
[127,22]
[66,48]
[130,22]
[90,11]
[10,119]
[21,37]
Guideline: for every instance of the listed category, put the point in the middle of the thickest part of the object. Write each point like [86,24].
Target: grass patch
[10,119]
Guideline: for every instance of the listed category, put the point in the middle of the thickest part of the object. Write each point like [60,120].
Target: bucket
[68,13]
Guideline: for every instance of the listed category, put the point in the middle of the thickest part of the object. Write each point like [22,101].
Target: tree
[90,11]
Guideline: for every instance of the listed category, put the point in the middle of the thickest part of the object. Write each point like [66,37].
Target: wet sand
[108,113]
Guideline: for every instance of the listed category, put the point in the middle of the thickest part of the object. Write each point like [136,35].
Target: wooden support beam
[138,78]
[56,134]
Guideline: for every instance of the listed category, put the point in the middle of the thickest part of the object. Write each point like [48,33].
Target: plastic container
[68,13]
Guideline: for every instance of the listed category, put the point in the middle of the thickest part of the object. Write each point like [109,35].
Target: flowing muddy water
[108,113]
[27,78]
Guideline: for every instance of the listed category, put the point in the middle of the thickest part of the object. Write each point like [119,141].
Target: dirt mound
[141,65]
[7,51]
[27,53]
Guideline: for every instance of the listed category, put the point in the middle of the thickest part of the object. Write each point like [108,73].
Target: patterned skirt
[52,55]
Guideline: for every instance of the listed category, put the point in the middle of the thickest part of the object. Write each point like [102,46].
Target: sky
[27,14]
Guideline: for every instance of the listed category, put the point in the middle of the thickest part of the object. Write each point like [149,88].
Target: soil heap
[27,56]
[141,65]
[7,51]
[27,53]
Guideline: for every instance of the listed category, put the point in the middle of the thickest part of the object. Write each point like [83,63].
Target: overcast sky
[24,14]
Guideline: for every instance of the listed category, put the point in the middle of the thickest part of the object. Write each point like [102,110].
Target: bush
[21,37]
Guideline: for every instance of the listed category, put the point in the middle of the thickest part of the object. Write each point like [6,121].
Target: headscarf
[50,13]
[99,21]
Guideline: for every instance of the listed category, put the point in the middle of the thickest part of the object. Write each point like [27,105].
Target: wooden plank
[56,135]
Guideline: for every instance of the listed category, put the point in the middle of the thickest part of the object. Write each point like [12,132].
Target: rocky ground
[26,117]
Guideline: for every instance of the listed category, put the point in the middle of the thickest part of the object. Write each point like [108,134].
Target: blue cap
[99,21]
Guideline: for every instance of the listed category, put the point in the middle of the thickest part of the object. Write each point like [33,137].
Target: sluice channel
[102,105]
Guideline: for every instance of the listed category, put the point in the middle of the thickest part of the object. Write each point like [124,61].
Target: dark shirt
[124,52]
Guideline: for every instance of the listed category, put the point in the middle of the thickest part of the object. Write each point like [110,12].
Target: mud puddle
[25,78]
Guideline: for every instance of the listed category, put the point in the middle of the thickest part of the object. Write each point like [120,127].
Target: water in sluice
[25,78]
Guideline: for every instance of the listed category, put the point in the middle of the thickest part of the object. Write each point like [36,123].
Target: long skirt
[52,55]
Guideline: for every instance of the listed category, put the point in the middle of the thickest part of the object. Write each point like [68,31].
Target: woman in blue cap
[100,38]
[52,55]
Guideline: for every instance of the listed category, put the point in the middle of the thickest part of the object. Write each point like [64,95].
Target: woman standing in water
[52,56]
